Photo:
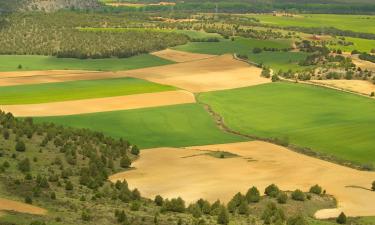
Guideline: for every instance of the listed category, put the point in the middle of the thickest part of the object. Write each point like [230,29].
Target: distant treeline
[56,34]
[332,7]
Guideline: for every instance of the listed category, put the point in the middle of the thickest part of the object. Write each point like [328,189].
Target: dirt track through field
[9,205]
[180,56]
[259,164]
[358,86]
[215,73]
[101,104]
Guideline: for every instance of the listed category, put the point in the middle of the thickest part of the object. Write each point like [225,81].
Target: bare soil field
[359,86]
[9,205]
[360,63]
[191,175]
[101,104]
[180,56]
[40,73]
[215,73]
[38,77]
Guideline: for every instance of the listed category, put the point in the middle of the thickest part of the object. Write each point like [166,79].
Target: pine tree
[223,217]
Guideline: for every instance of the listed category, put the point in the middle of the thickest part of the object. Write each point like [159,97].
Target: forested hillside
[47,5]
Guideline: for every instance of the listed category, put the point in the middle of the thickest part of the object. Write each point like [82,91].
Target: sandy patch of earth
[359,86]
[101,104]
[27,77]
[9,205]
[35,73]
[180,56]
[215,73]
[259,164]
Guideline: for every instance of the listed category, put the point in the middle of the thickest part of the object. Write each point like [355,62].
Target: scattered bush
[272,191]
[298,195]
[252,195]
[316,189]
[282,198]
[341,219]
[20,146]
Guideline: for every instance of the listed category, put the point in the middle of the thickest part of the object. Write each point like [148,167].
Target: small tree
[20,146]
[282,198]
[316,189]
[24,165]
[373,186]
[341,219]
[159,200]
[125,162]
[223,217]
[297,220]
[69,186]
[19,66]
[275,78]
[243,209]
[257,50]
[135,150]
[272,191]
[253,195]
[28,200]
[298,195]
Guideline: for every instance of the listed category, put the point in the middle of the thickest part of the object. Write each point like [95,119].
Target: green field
[11,63]
[74,90]
[357,23]
[363,45]
[325,120]
[279,60]
[178,125]
[198,34]
[239,45]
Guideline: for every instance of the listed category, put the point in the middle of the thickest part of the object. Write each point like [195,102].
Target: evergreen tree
[341,219]
[223,217]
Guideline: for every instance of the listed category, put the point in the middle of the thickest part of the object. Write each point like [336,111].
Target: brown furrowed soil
[180,56]
[101,104]
[9,205]
[192,175]
[359,86]
[215,73]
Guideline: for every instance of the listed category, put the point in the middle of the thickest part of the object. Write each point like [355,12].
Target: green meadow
[74,90]
[357,23]
[325,120]
[362,45]
[175,126]
[279,60]
[239,45]
[33,62]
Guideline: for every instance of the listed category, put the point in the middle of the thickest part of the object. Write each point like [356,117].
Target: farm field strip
[10,205]
[175,125]
[135,101]
[259,164]
[180,56]
[362,87]
[342,128]
[75,90]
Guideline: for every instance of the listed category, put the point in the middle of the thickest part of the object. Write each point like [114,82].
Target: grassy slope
[363,45]
[276,60]
[357,23]
[11,62]
[279,60]
[73,90]
[325,120]
[179,125]
[240,45]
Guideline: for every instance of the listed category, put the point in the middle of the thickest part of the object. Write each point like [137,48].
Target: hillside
[47,5]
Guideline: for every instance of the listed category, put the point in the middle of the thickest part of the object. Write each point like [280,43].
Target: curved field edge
[33,62]
[174,126]
[76,90]
[325,121]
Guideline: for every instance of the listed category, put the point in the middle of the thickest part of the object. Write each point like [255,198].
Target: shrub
[24,165]
[125,162]
[195,210]
[341,219]
[223,217]
[297,220]
[159,200]
[257,50]
[275,78]
[253,195]
[86,216]
[243,209]
[272,214]
[298,195]
[28,200]
[135,206]
[272,191]
[20,146]
[174,205]
[135,150]
[69,186]
[373,186]
[6,134]
[282,198]
[316,189]
[372,94]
